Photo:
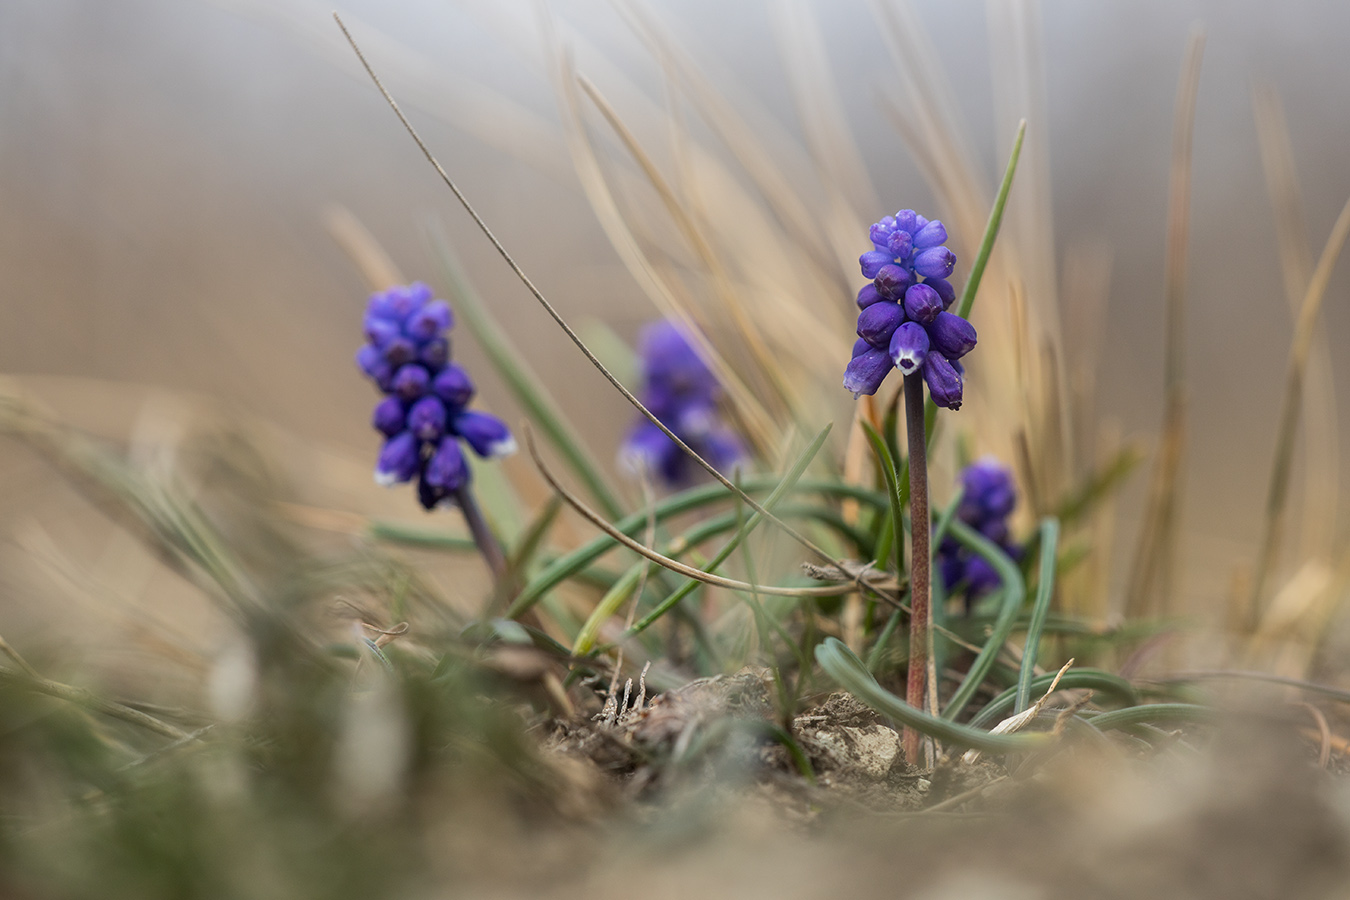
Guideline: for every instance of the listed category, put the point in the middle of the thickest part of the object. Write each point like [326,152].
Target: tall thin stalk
[921,612]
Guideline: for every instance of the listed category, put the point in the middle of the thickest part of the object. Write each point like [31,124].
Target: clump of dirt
[853,755]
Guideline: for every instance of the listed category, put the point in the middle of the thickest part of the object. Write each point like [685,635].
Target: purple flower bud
[891,282]
[909,347]
[860,347]
[399,459]
[426,418]
[434,353]
[429,321]
[922,303]
[872,261]
[380,330]
[930,235]
[399,350]
[410,381]
[907,220]
[487,435]
[453,386]
[403,300]
[944,289]
[373,363]
[446,469]
[943,383]
[868,295]
[866,372]
[881,232]
[981,578]
[935,262]
[900,244]
[878,322]
[389,417]
[952,335]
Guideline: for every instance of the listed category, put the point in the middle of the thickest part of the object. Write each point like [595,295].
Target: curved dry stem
[673,565]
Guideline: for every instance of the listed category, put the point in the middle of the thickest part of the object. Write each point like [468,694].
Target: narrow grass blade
[843,666]
[888,472]
[1291,406]
[991,228]
[608,606]
[524,384]
[1156,550]
[1045,592]
[417,536]
[1014,593]
[782,490]
[1102,682]
[694,498]
[1152,712]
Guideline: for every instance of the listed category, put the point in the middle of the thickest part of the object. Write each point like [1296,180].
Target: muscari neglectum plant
[904,324]
[424,414]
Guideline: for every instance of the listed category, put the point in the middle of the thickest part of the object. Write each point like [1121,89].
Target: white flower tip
[505,447]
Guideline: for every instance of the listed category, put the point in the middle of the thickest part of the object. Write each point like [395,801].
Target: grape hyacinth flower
[904,320]
[904,323]
[424,415]
[682,392]
[987,499]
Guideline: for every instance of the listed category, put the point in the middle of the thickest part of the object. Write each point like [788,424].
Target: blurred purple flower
[988,497]
[423,414]
[682,392]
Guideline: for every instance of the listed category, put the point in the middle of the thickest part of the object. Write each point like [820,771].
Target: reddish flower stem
[919,557]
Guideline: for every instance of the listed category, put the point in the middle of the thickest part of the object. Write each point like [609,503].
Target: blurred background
[167,168]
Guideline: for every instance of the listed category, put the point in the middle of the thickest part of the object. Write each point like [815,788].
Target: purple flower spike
[944,384]
[935,262]
[866,372]
[931,235]
[423,412]
[447,469]
[453,386]
[909,347]
[868,295]
[987,498]
[487,435]
[426,419]
[878,322]
[922,303]
[410,381]
[389,418]
[891,282]
[904,310]
[952,335]
[398,460]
